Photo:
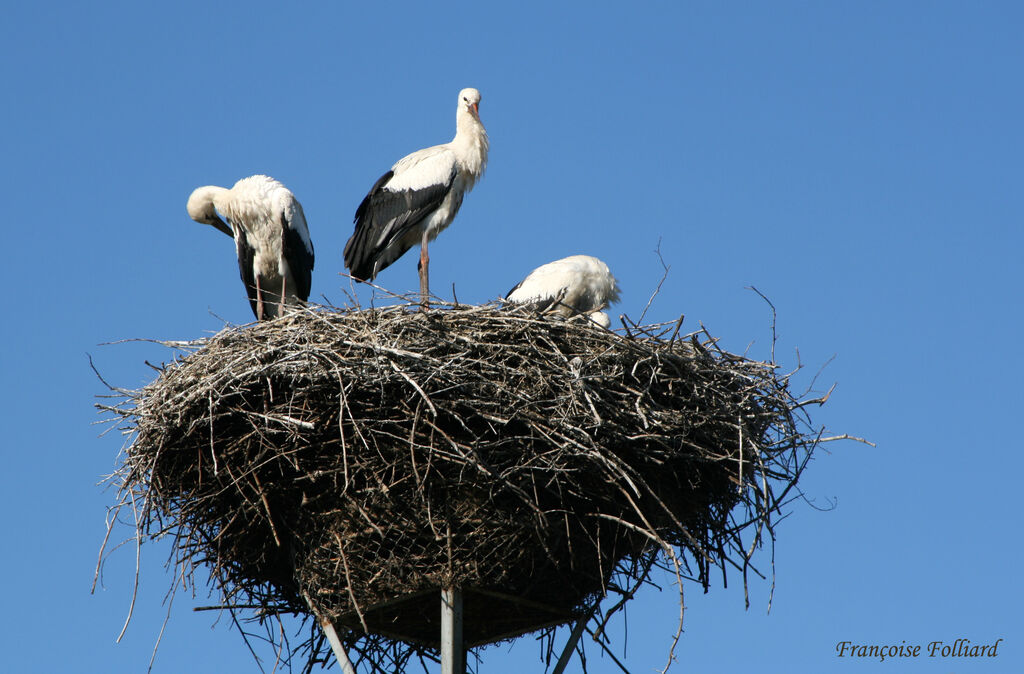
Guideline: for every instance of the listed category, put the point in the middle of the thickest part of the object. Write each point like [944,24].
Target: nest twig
[349,464]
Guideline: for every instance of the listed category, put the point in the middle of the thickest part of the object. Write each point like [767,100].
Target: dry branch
[358,461]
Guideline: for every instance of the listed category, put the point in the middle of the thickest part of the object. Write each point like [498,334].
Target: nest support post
[339,650]
[570,644]
[453,647]
[332,637]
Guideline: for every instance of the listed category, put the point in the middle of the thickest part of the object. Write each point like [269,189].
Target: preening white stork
[575,285]
[275,253]
[418,198]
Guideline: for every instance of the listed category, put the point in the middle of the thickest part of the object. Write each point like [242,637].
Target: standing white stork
[574,285]
[275,254]
[418,198]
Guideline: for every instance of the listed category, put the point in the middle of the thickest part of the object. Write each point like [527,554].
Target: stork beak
[220,225]
[475,107]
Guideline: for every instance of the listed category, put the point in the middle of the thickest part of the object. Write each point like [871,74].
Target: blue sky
[859,163]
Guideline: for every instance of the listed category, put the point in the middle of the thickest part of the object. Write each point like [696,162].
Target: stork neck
[216,196]
[470,145]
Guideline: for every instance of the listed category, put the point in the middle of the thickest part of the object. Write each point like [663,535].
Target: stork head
[201,207]
[469,100]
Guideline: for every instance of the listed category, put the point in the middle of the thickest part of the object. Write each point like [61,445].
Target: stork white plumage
[414,201]
[575,285]
[275,253]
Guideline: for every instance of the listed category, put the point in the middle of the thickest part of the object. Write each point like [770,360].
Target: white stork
[574,285]
[275,254]
[418,198]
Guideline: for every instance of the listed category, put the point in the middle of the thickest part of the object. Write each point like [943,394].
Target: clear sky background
[858,162]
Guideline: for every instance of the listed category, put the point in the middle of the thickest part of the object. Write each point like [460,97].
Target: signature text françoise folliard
[961,648]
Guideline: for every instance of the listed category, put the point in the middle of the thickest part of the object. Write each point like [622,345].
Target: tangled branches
[346,465]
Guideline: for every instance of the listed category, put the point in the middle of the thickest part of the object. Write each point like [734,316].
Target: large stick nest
[349,464]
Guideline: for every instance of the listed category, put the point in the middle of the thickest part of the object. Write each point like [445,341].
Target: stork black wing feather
[300,259]
[385,217]
[246,254]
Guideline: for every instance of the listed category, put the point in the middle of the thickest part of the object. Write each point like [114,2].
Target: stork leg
[280,305]
[424,269]
[259,300]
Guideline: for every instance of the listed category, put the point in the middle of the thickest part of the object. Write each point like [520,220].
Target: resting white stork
[574,285]
[418,198]
[275,254]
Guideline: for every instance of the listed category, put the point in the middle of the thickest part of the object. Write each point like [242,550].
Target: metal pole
[570,645]
[339,650]
[332,637]
[453,650]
